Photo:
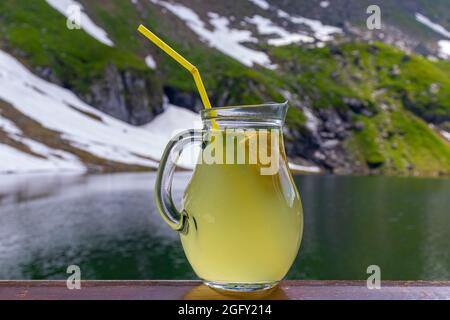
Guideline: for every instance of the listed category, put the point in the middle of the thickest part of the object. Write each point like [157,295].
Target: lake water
[108,225]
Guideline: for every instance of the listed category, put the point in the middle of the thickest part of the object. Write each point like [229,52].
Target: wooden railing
[194,290]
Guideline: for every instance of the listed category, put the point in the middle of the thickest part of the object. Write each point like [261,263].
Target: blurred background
[87,106]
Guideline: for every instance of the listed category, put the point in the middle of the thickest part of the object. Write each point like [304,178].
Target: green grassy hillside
[399,93]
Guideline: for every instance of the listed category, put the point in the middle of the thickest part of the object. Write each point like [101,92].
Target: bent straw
[181,60]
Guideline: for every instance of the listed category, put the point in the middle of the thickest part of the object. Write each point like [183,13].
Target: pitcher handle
[163,186]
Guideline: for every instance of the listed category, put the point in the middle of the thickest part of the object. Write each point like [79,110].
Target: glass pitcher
[242,218]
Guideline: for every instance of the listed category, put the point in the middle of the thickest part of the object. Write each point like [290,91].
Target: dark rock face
[188,100]
[333,130]
[325,144]
[126,95]
[48,74]
[423,112]
[358,106]
[130,96]
[300,143]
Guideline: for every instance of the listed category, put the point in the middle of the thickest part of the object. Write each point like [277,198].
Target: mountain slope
[355,106]
[371,103]
[115,80]
[36,113]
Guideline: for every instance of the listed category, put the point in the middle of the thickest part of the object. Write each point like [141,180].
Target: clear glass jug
[242,218]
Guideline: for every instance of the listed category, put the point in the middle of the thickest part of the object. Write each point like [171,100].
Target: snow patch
[433,26]
[445,134]
[174,120]
[9,127]
[321,31]
[150,62]
[261,3]
[16,161]
[267,27]
[444,45]
[298,167]
[86,23]
[320,44]
[59,109]
[312,122]
[222,37]
[444,49]
[55,160]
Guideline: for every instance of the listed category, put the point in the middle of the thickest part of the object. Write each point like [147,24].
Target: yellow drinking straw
[181,60]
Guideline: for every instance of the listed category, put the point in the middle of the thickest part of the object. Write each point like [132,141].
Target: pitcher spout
[284,109]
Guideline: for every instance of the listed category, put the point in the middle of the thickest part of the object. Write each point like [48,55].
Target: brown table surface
[194,290]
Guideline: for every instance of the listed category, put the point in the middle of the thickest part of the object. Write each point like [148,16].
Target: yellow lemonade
[243,226]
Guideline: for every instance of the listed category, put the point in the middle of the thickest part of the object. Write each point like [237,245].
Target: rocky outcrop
[126,95]
[188,100]
[324,142]
[129,95]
